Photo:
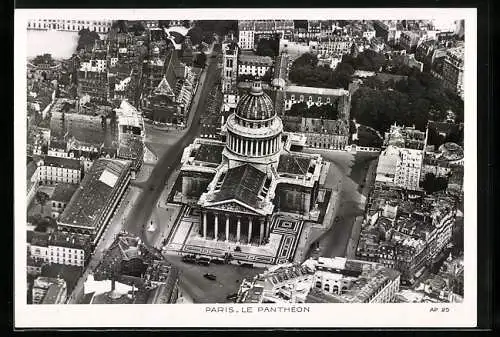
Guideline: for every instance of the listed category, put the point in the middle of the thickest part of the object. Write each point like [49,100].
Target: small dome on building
[256,105]
[451,152]
[279,83]
[156,50]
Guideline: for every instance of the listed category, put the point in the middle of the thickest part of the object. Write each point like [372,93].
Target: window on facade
[319,99]
[310,98]
[302,98]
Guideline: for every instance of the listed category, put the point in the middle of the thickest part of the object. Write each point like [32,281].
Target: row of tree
[325,111]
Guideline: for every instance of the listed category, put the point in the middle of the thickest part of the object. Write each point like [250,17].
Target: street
[202,290]
[354,169]
[153,187]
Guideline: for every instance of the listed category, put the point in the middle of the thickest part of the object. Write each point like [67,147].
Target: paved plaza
[281,247]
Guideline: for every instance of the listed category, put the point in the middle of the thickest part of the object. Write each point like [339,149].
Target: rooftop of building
[112,298]
[294,163]
[63,192]
[70,240]
[58,144]
[209,153]
[38,238]
[295,89]
[68,163]
[450,152]
[242,183]
[405,137]
[131,146]
[96,189]
[250,58]
[457,176]
[54,293]
[318,296]
[456,52]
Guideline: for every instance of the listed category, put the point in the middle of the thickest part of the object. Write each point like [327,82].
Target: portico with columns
[241,228]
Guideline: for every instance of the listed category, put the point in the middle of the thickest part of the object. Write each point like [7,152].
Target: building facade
[453,70]
[99,26]
[339,98]
[254,65]
[52,170]
[400,163]
[229,67]
[61,248]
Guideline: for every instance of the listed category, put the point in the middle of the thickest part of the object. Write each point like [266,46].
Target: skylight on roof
[108,178]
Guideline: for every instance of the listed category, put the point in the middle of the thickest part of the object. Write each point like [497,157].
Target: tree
[163,23]
[138,28]
[297,109]
[43,59]
[268,47]
[120,25]
[41,199]
[200,60]
[86,38]
[431,184]
[196,35]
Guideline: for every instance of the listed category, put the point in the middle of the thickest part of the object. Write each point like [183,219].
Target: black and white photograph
[245,168]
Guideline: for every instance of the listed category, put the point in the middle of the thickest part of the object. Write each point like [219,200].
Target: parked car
[188,259]
[217,261]
[247,265]
[203,260]
[209,276]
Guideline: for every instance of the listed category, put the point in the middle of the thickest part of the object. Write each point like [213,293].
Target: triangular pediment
[235,206]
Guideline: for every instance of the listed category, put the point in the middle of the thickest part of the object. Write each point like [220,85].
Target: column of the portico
[251,148]
[261,234]
[238,230]
[205,225]
[249,229]
[227,227]
[268,225]
[216,225]
[268,143]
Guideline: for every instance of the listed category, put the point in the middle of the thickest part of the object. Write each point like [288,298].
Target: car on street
[203,260]
[209,276]
[188,259]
